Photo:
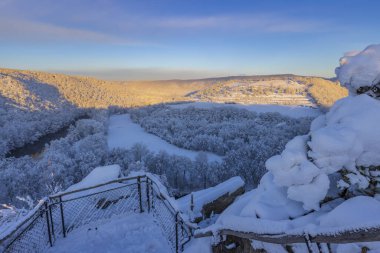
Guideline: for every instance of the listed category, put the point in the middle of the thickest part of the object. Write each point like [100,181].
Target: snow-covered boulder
[360,68]
[345,140]
[339,158]
[356,212]
[97,176]
[203,203]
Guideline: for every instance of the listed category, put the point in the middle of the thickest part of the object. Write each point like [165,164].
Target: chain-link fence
[168,218]
[31,235]
[68,211]
[75,210]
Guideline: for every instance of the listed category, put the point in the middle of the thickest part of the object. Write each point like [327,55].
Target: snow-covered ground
[134,233]
[208,195]
[124,133]
[290,111]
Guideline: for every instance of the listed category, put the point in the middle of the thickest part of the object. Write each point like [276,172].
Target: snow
[199,245]
[124,133]
[17,219]
[208,195]
[134,233]
[290,198]
[343,138]
[357,211]
[347,138]
[298,178]
[254,212]
[373,247]
[99,175]
[290,111]
[360,68]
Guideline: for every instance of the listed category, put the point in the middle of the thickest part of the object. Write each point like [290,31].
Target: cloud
[108,23]
[29,30]
[264,22]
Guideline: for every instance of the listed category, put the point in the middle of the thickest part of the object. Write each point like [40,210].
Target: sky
[183,39]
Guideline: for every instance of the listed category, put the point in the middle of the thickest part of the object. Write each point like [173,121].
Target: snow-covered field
[123,133]
[290,111]
[134,233]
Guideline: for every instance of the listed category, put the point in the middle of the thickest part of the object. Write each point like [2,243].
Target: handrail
[44,208]
[26,219]
[119,180]
[350,236]
[174,210]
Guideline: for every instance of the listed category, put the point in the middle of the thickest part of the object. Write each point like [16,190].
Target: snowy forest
[222,131]
[34,104]
[228,139]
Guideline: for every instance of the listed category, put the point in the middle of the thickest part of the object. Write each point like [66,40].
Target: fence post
[152,191]
[62,216]
[329,247]
[192,202]
[139,189]
[308,243]
[52,223]
[48,224]
[148,194]
[319,247]
[176,233]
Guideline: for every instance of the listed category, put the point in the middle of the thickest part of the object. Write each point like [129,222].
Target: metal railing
[30,235]
[320,242]
[166,215]
[64,212]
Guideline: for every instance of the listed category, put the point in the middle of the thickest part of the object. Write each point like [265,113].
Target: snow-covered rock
[194,203]
[344,138]
[99,175]
[357,211]
[358,69]
[342,148]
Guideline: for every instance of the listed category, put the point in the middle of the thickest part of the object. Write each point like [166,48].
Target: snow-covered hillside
[274,90]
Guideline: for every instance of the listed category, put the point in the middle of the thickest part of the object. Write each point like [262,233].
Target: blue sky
[162,39]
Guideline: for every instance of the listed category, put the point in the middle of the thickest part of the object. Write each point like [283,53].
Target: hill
[86,92]
[37,103]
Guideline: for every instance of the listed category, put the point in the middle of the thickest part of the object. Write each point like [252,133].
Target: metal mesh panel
[170,222]
[33,236]
[165,219]
[76,212]
[67,212]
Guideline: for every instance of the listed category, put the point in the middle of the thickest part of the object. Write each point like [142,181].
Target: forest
[34,104]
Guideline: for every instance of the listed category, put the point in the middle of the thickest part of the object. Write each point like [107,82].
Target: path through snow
[134,233]
[123,133]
